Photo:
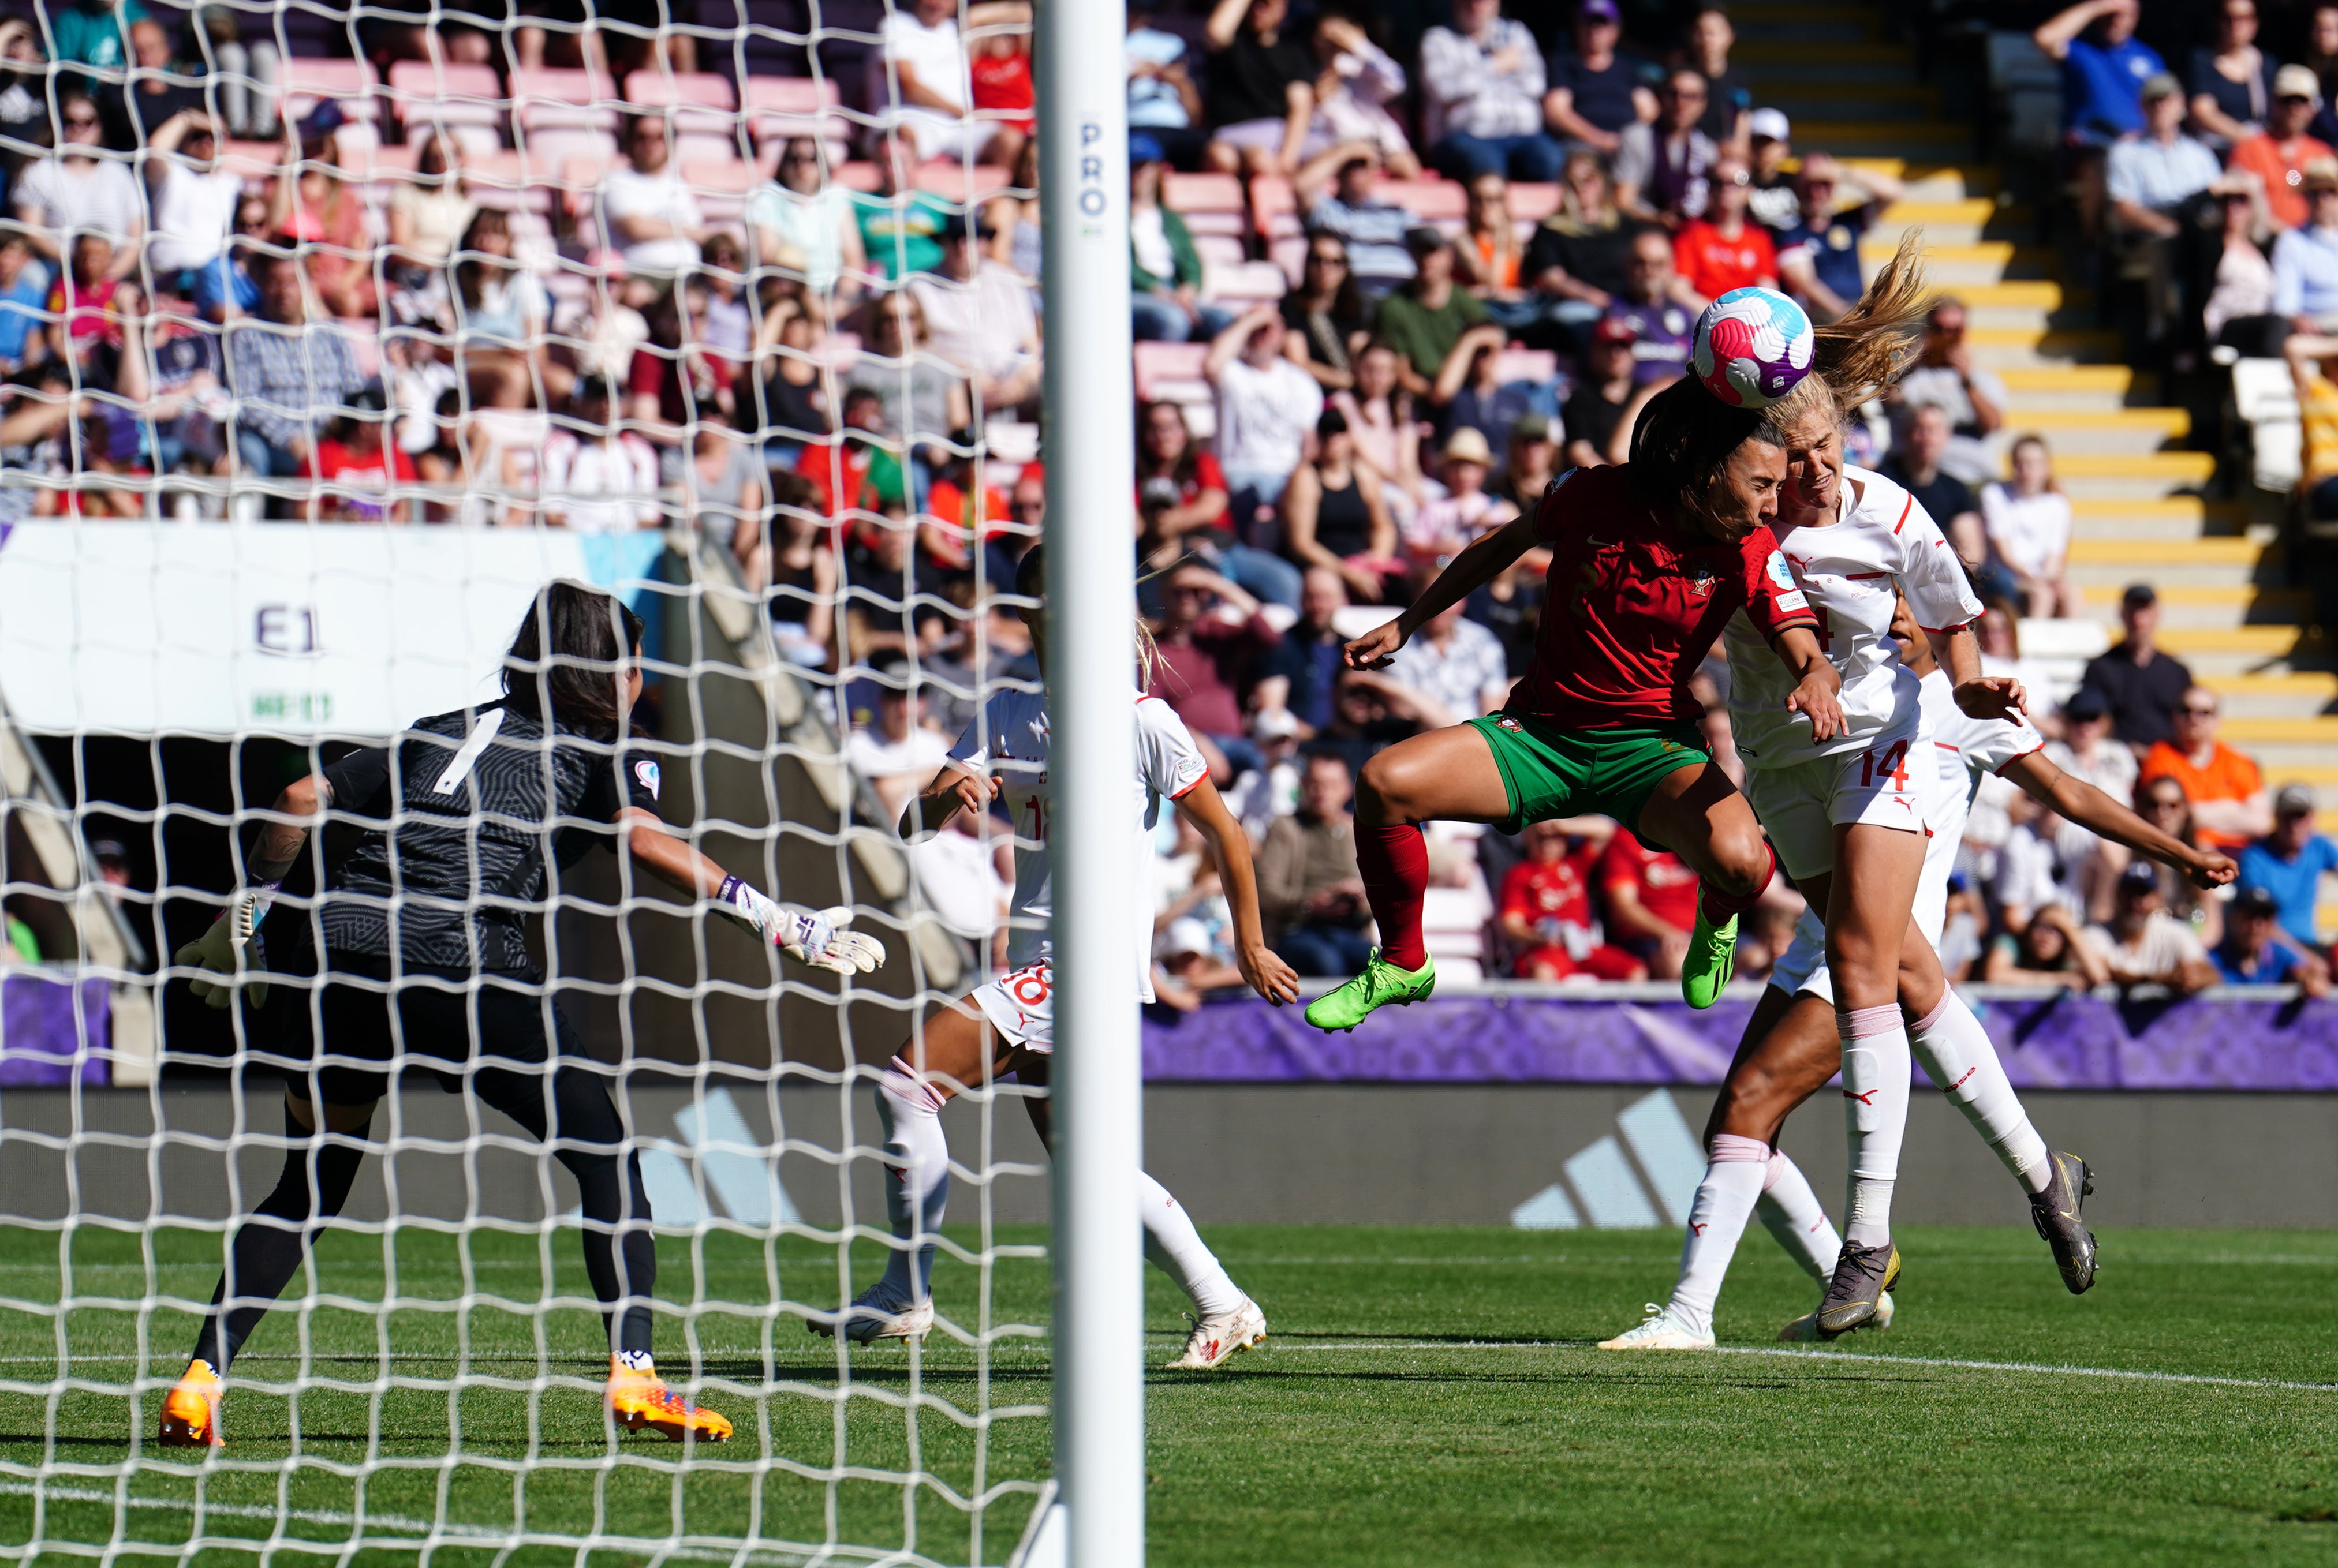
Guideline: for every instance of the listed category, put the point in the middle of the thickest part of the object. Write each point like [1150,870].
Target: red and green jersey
[1633,604]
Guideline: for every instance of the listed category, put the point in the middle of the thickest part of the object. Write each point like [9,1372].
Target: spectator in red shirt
[1546,910]
[999,72]
[1651,900]
[1207,656]
[83,300]
[358,468]
[1725,249]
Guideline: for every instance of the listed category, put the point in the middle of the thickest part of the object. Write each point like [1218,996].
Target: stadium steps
[2186,606]
[2286,748]
[2138,516]
[2167,563]
[2295,694]
[2171,517]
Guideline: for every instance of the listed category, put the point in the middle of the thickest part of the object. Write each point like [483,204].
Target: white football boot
[1804,1330]
[1218,1338]
[874,1317]
[1662,1331]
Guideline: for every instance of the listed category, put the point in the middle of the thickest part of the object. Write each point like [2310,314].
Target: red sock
[1394,861]
[1719,907]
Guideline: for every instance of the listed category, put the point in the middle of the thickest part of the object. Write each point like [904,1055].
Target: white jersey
[1881,540]
[1011,739]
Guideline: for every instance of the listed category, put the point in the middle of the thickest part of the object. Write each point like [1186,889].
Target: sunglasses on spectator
[2196,712]
[81,122]
[1326,259]
[801,158]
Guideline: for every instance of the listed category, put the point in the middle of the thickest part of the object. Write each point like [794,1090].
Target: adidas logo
[739,1168]
[1608,1189]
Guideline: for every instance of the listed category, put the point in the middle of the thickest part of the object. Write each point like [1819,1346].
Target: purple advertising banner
[2225,1040]
[53,1031]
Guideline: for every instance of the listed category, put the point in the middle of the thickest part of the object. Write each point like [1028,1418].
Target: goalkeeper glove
[232,947]
[819,939]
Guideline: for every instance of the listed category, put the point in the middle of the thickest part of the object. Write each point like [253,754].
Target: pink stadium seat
[1536,365]
[1291,255]
[707,147]
[1243,284]
[695,89]
[861,176]
[1430,200]
[560,143]
[305,84]
[553,86]
[364,335]
[1274,209]
[791,94]
[1531,203]
[1208,203]
[422,92]
[1219,249]
[580,177]
[1175,366]
[952,182]
[779,107]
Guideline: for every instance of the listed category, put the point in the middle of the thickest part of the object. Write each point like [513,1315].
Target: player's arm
[1487,557]
[2079,801]
[221,949]
[953,789]
[1818,684]
[1634,919]
[817,937]
[1229,849]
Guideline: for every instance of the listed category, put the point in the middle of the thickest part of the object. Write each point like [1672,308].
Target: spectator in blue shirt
[2288,863]
[1818,252]
[1595,89]
[2251,953]
[2104,68]
[24,289]
[2305,260]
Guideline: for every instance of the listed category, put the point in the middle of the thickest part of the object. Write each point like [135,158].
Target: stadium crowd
[1387,285]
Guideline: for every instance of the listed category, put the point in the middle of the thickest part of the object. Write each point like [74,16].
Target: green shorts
[1551,771]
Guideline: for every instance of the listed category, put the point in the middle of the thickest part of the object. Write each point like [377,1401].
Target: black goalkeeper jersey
[474,806]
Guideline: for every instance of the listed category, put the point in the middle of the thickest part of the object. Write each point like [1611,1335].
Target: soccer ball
[1753,346]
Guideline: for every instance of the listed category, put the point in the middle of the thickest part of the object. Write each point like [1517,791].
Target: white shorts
[1803,965]
[1888,785]
[1021,1005]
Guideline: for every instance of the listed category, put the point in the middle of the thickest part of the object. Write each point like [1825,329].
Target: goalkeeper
[423,957]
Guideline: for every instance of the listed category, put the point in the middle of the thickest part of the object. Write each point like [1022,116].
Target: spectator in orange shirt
[1725,249]
[2230,806]
[1546,910]
[2278,154]
[1651,900]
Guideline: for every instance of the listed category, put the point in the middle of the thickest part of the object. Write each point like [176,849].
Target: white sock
[1790,1211]
[1724,1201]
[1958,1055]
[1875,1064]
[917,1177]
[1176,1248]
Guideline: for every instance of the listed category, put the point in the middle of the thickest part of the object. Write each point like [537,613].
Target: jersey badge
[646,772]
[1701,578]
[1507,722]
[1780,572]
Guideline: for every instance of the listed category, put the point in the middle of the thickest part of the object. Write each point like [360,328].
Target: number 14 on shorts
[1885,763]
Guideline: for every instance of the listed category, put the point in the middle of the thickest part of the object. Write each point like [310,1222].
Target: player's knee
[1382,791]
[1741,861]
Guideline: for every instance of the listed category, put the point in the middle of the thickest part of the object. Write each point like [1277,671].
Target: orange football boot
[639,1401]
[191,1410]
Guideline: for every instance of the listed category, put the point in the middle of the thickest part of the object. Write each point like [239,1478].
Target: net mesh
[336,335]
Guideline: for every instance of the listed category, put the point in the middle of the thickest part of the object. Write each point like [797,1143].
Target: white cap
[1769,122]
[1185,935]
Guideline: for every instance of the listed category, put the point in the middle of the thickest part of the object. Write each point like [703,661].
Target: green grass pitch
[1429,1397]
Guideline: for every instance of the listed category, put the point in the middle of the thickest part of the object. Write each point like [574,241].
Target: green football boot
[1711,959]
[1381,983]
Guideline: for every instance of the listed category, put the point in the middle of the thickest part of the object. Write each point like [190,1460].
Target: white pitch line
[1825,1356]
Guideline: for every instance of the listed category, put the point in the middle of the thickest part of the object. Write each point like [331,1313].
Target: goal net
[328,337]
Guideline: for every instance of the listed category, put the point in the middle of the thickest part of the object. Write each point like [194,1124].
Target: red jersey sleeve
[1206,472]
[1773,602]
